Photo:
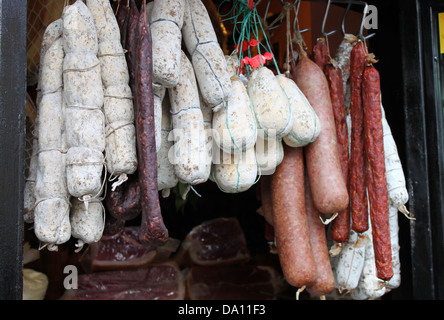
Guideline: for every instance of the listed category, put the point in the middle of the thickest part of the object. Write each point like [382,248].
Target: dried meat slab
[219,241]
[124,251]
[244,282]
[156,282]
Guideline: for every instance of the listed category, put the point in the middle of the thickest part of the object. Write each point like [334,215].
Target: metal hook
[361,28]
[324,20]
[265,18]
[344,18]
[360,34]
[295,20]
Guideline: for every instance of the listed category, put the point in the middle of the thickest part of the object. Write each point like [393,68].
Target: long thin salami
[153,230]
[341,224]
[377,186]
[358,196]
[131,41]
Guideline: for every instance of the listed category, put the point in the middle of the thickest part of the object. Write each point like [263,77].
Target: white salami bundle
[51,212]
[166,23]
[306,125]
[270,104]
[120,148]
[235,172]
[166,177]
[206,55]
[52,33]
[85,121]
[234,126]
[189,154]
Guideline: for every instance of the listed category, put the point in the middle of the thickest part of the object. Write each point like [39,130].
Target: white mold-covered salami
[269,154]
[87,223]
[270,104]
[79,31]
[206,54]
[84,171]
[51,222]
[395,281]
[235,172]
[120,148]
[166,23]
[234,126]
[369,286]
[166,177]
[189,154]
[159,95]
[51,196]
[52,32]
[349,263]
[306,125]
[83,91]
[396,185]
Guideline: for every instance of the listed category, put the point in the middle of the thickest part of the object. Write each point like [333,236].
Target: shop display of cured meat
[138,105]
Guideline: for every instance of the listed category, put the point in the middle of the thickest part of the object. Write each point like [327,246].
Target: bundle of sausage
[365,250]
[85,113]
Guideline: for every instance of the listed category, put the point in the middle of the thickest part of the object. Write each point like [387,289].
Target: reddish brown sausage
[378,193]
[324,168]
[153,230]
[320,53]
[325,280]
[290,221]
[358,196]
[124,202]
[341,224]
[122,17]
[131,43]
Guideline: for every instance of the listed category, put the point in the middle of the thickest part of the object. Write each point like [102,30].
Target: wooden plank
[12,147]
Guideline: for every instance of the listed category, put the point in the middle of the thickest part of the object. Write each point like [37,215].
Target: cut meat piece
[219,241]
[124,251]
[157,282]
[245,282]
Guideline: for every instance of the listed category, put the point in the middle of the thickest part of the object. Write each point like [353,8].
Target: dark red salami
[358,196]
[131,42]
[153,230]
[124,202]
[377,183]
[320,53]
[341,224]
[122,17]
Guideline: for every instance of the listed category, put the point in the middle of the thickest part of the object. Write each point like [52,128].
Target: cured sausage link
[358,196]
[377,186]
[153,230]
[323,165]
[290,221]
[341,224]
[325,281]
